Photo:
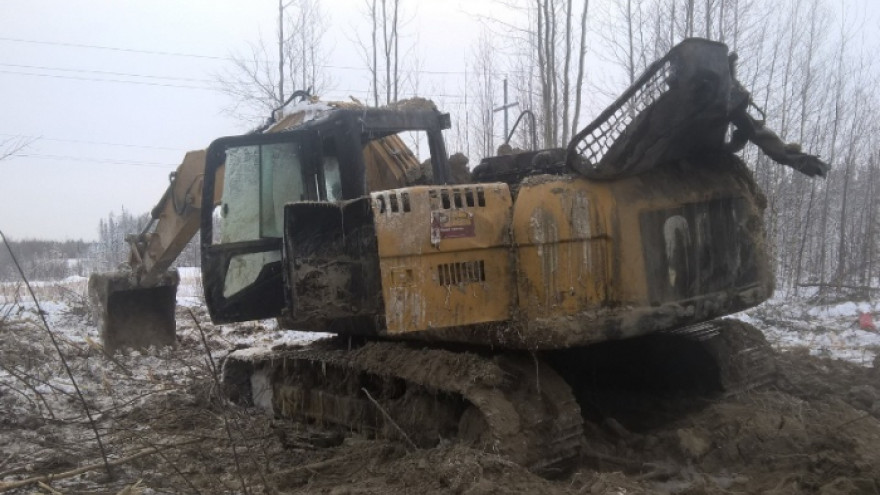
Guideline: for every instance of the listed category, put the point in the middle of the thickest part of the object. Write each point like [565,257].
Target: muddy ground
[165,428]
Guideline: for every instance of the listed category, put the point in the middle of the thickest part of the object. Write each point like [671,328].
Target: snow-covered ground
[42,422]
[825,330]
[832,330]
[59,299]
[258,333]
[28,360]
[131,394]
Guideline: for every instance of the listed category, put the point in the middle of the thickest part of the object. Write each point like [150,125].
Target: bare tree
[582,53]
[484,101]
[566,73]
[256,80]
[382,52]
[12,146]
[814,90]
[623,35]
[391,43]
[544,72]
[548,62]
[374,67]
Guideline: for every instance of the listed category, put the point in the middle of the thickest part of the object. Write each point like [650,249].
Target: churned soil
[166,429]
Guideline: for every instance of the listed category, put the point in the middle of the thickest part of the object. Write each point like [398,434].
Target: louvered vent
[393,202]
[447,199]
[464,272]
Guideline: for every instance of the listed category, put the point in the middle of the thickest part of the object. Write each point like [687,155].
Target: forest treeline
[56,260]
[809,65]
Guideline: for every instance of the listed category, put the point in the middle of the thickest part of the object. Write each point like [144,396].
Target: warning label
[451,224]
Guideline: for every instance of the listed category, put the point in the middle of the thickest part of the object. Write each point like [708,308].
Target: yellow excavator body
[475,309]
[570,261]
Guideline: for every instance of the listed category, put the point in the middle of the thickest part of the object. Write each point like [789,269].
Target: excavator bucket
[130,315]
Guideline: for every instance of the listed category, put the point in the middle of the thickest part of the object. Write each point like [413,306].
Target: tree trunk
[387,52]
[580,75]
[375,69]
[394,34]
[280,52]
[566,81]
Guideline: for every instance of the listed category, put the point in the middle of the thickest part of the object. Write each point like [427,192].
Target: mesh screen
[598,137]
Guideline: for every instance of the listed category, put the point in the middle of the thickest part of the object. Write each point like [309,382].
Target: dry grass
[164,401]
[64,291]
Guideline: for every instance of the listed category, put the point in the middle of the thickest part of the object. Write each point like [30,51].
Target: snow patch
[824,330]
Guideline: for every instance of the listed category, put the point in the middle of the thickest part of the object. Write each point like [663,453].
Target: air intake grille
[465,272]
[465,197]
[393,202]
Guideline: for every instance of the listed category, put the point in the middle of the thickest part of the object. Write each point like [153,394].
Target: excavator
[486,308]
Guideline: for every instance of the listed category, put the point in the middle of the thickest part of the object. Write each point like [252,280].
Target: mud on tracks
[508,404]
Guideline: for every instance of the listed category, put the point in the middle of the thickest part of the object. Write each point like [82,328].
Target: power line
[455,97]
[92,79]
[181,86]
[227,58]
[111,161]
[417,71]
[113,48]
[111,73]
[347,92]
[100,143]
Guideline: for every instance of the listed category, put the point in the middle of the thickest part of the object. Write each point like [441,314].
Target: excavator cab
[241,236]
[340,157]
[237,193]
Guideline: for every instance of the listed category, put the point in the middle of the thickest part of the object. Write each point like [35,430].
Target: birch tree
[483,70]
[549,64]
[381,52]
[262,79]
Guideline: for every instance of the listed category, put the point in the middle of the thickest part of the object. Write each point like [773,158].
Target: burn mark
[706,247]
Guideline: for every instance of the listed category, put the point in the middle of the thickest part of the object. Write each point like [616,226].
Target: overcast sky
[116,91]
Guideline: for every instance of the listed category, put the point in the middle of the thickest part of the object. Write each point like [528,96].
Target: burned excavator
[479,311]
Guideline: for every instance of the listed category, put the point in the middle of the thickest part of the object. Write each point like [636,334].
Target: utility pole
[504,108]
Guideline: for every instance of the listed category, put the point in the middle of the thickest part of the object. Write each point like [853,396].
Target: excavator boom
[134,306]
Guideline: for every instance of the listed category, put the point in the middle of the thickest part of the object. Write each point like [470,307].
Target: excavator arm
[134,306]
[174,221]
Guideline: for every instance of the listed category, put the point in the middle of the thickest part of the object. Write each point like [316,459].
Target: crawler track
[744,358]
[512,404]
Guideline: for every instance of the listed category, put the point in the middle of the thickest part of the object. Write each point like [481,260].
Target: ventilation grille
[448,198]
[393,202]
[464,272]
